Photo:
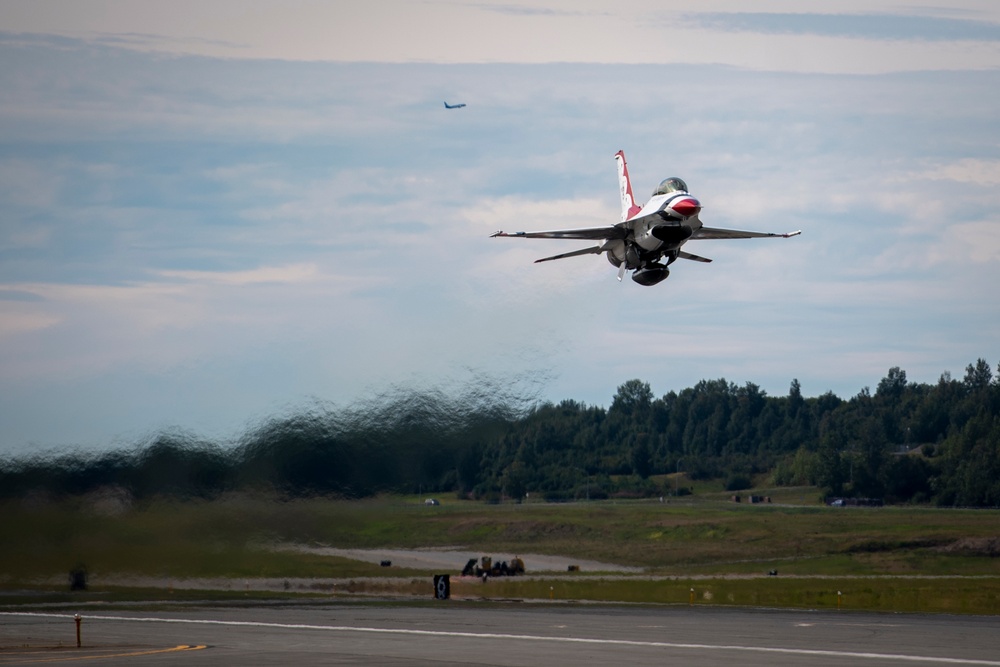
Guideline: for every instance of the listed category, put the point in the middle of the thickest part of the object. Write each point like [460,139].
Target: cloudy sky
[215,213]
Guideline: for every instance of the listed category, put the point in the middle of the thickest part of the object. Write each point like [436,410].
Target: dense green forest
[906,442]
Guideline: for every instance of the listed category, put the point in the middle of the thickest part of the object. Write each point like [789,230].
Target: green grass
[702,538]
[848,593]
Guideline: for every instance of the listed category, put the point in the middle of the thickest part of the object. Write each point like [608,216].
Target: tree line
[906,442]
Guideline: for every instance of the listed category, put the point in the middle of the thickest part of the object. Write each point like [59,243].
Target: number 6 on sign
[442,586]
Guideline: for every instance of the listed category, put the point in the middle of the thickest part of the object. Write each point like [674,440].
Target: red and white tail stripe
[629,207]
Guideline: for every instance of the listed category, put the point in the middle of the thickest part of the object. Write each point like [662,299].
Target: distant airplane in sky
[454,106]
[647,235]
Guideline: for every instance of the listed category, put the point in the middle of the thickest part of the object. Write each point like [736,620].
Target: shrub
[738,482]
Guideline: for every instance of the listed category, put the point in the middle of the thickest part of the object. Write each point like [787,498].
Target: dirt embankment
[974,546]
[453,559]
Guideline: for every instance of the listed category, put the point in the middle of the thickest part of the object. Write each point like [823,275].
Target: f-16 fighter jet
[648,238]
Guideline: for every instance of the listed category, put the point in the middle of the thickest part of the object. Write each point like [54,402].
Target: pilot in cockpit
[668,185]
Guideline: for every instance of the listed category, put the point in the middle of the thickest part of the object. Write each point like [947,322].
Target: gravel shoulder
[453,559]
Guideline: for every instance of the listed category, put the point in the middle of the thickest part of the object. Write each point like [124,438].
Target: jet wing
[716,233]
[592,233]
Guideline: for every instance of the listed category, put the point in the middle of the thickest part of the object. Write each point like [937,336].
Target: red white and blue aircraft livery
[649,238]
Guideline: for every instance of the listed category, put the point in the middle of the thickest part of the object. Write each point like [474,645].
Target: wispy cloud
[985,172]
[868,26]
[155,41]
[534,10]
[274,275]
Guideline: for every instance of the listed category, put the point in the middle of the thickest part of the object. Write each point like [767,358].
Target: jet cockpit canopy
[668,185]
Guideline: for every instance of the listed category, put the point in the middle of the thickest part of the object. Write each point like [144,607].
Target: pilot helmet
[668,185]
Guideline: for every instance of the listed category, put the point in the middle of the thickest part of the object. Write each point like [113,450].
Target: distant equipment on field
[485,567]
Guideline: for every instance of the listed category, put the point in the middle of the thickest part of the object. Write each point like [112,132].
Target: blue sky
[215,215]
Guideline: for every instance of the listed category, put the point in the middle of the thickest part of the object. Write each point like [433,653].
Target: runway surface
[470,633]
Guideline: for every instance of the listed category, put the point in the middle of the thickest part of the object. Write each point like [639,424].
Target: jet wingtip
[791,234]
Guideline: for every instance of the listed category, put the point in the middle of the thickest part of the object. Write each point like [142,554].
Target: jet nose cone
[686,207]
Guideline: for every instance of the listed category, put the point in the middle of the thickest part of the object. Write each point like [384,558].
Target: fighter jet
[454,106]
[648,238]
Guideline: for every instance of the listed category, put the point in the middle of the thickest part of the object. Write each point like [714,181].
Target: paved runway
[513,634]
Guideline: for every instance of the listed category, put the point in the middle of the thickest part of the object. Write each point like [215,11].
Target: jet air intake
[672,233]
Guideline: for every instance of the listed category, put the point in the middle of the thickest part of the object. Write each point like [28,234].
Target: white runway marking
[902,657]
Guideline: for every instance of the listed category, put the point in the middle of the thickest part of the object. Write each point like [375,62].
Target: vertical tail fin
[629,208]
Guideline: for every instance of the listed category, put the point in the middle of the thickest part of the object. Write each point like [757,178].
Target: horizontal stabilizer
[697,258]
[596,250]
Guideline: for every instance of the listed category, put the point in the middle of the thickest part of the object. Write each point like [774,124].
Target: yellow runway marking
[69,657]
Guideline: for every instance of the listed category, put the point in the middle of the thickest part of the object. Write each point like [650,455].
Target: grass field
[893,558]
